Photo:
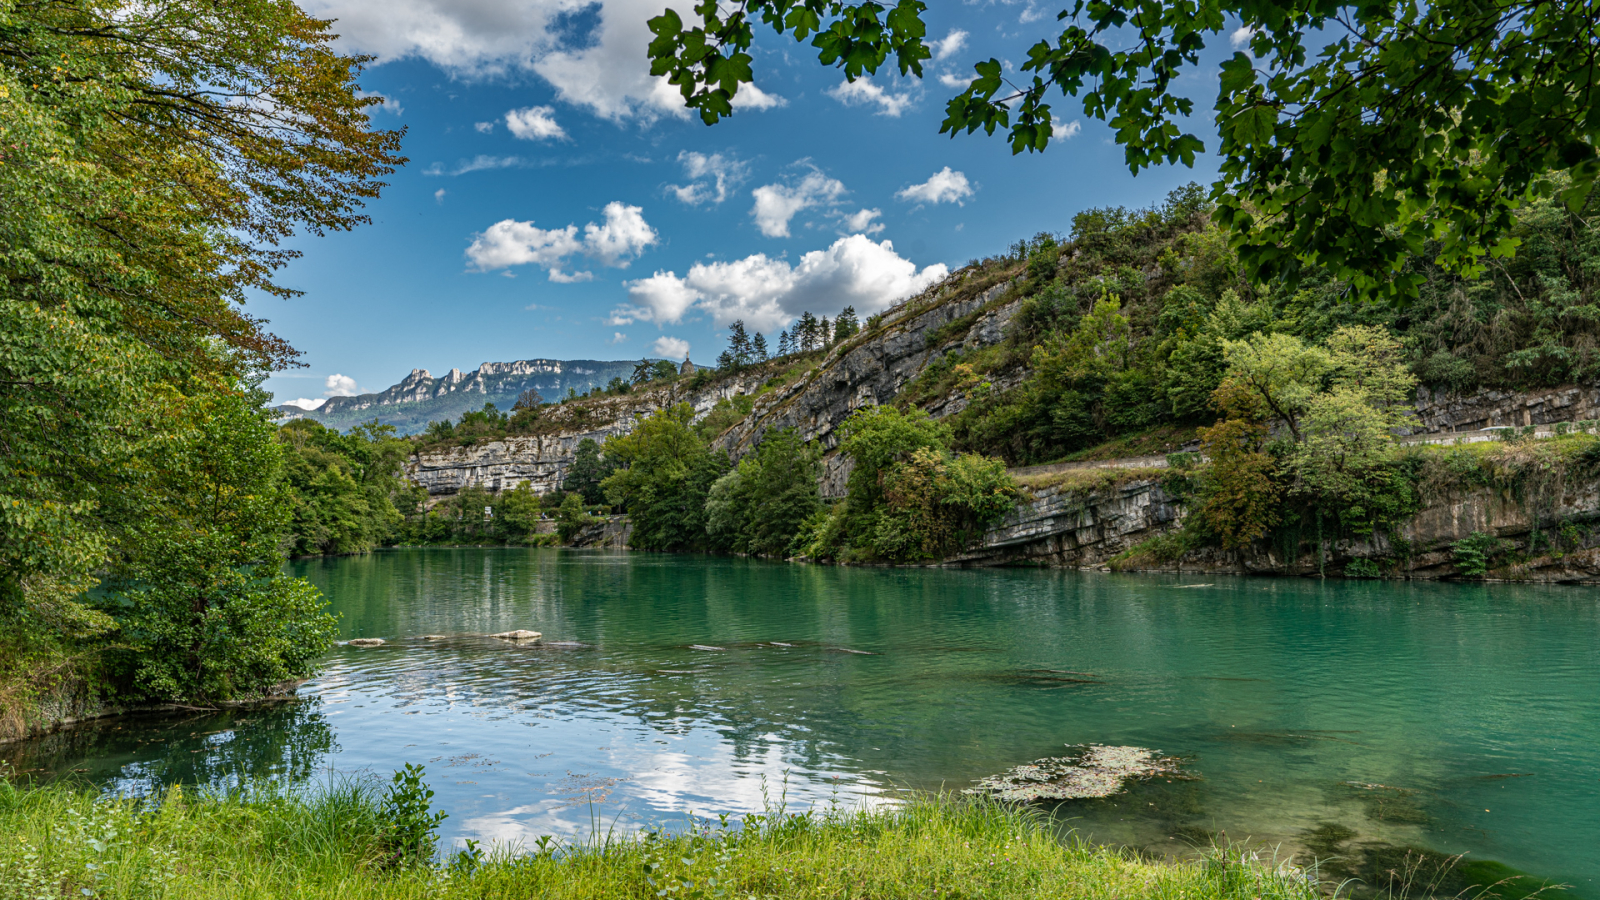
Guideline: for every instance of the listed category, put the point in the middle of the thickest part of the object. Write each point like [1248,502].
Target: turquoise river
[1320,717]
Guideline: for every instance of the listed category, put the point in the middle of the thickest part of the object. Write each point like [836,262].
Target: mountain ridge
[420,398]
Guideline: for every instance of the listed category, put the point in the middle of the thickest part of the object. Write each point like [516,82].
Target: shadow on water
[148,753]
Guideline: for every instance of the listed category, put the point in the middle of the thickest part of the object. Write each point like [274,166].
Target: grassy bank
[339,843]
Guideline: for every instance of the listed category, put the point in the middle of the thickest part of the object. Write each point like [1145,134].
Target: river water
[1322,714]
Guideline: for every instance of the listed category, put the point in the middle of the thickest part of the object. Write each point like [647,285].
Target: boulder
[518,635]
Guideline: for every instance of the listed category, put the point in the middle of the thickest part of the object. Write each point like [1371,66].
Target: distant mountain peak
[420,398]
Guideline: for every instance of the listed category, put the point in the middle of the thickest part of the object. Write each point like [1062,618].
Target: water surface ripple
[675,683]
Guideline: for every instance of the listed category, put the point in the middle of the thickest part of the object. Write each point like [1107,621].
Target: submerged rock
[518,635]
[366,642]
[1092,771]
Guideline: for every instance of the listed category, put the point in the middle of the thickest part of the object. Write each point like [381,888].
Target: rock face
[542,460]
[610,533]
[869,372]
[1439,411]
[1087,530]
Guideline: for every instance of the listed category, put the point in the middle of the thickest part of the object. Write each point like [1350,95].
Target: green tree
[589,468]
[1351,136]
[938,503]
[199,593]
[761,505]
[665,471]
[145,189]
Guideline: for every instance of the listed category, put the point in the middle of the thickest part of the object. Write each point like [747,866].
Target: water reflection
[668,684]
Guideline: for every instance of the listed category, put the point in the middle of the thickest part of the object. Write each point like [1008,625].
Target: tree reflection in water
[287,742]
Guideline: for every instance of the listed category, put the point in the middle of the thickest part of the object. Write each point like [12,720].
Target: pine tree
[824,333]
[759,347]
[806,333]
[846,325]
[739,348]
[785,343]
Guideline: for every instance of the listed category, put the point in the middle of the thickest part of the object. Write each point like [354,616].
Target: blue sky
[558,204]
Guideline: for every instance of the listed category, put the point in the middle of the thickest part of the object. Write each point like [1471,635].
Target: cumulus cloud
[958,82]
[768,293]
[438,196]
[1071,129]
[776,204]
[592,54]
[385,103]
[618,337]
[862,222]
[483,127]
[944,187]
[1241,36]
[340,386]
[671,347]
[711,177]
[752,97]
[623,236]
[863,91]
[953,43]
[536,123]
[306,404]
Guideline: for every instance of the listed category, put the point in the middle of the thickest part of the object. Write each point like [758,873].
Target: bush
[1474,554]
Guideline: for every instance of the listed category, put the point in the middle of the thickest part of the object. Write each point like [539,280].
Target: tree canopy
[1352,136]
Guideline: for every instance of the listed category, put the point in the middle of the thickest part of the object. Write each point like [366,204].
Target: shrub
[1474,554]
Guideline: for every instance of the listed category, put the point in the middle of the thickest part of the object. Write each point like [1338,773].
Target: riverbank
[333,844]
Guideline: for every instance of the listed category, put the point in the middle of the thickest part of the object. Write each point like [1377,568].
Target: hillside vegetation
[1133,334]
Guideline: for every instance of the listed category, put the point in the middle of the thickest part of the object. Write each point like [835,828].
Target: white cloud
[618,337]
[593,55]
[305,404]
[340,386]
[385,103]
[710,177]
[1071,129]
[661,298]
[1241,36]
[776,204]
[536,123]
[861,222]
[953,43]
[752,97]
[944,187]
[624,235]
[863,91]
[671,347]
[438,196]
[483,127]
[769,293]
[478,163]
[958,82]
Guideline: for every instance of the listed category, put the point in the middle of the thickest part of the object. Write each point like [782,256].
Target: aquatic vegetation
[1091,772]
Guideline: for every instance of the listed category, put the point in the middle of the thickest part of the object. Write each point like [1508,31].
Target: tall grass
[269,842]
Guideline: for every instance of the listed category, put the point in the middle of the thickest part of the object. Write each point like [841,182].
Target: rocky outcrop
[1086,530]
[873,370]
[541,461]
[1442,411]
[609,533]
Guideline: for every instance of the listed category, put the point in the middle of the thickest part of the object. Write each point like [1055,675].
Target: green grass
[271,843]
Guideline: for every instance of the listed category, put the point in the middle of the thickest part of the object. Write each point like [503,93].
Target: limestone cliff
[1087,529]
[542,460]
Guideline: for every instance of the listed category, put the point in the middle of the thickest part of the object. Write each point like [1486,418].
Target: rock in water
[1093,771]
[365,642]
[518,635]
